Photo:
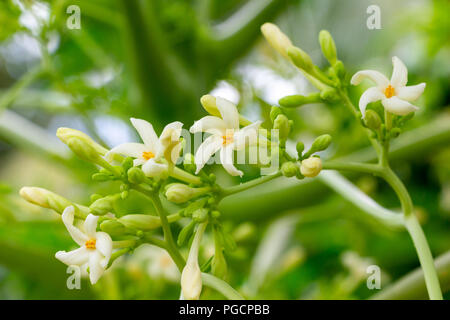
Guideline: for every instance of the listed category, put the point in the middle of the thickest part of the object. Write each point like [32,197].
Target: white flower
[225,136]
[95,247]
[150,153]
[394,94]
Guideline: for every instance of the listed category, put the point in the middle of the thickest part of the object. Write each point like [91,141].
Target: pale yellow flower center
[227,139]
[147,155]
[90,244]
[389,92]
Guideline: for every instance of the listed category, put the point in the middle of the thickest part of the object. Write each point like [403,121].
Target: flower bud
[136,175]
[185,233]
[330,95]
[180,193]
[81,144]
[277,39]
[113,227]
[298,100]
[300,147]
[301,59]
[200,215]
[339,69]
[48,199]
[372,119]
[209,104]
[328,46]
[311,167]
[281,123]
[274,112]
[289,169]
[103,205]
[140,221]
[219,266]
[321,143]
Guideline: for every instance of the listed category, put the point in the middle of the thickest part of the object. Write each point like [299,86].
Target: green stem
[182,175]
[221,286]
[250,184]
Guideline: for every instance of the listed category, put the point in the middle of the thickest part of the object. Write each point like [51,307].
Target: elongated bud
[339,69]
[328,46]
[180,193]
[47,199]
[321,143]
[185,233]
[301,59]
[282,124]
[136,175]
[141,221]
[299,100]
[329,94]
[219,266]
[191,277]
[113,227]
[81,144]
[311,167]
[300,147]
[209,104]
[103,205]
[372,119]
[274,112]
[289,169]
[277,39]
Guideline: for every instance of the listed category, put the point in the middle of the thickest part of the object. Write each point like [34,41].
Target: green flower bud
[113,227]
[339,69]
[140,221]
[330,95]
[281,123]
[208,103]
[215,214]
[189,163]
[289,169]
[277,39]
[298,100]
[301,59]
[124,194]
[127,163]
[180,193]
[103,205]
[200,215]
[82,145]
[136,175]
[50,200]
[274,112]
[372,119]
[328,46]
[95,197]
[101,177]
[300,148]
[321,143]
[185,233]
[311,167]
[219,266]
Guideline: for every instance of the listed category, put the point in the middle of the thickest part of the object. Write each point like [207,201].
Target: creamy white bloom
[394,94]
[226,136]
[95,247]
[150,153]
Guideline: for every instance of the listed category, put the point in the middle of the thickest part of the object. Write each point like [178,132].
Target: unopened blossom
[311,167]
[394,94]
[226,136]
[150,153]
[95,247]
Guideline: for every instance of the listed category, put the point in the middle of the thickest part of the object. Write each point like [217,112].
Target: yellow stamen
[227,139]
[147,155]
[90,244]
[389,92]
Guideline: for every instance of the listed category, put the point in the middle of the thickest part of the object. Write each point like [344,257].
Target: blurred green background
[154,59]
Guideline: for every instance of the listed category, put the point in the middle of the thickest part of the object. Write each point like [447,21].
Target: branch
[412,286]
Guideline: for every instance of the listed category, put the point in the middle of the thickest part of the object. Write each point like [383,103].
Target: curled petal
[131,149]
[370,95]
[75,257]
[399,74]
[229,112]
[247,135]
[411,93]
[67,217]
[90,225]
[171,133]
[96,270]
[174,154]
[147,133]
[226,158]
[210,146]
[210,124]
[397,106]
[154,169]
[377,77]
[104,246]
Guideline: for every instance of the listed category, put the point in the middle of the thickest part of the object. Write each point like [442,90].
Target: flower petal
[397,106]
[229,112]
[147,133]
[131,149]
[226,158]
[399,76]
[67,217]
[138,162]
[95,268]
[171,133]
[75,257]
[210,124]
[104,245]
[210,146]
[411,93]
[153,169]
[377,77]
[247,135]
[90,225]
[370,95]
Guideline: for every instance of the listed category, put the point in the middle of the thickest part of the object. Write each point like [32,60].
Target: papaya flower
[226,136]
[150,153]
[394,94]
[95,247]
